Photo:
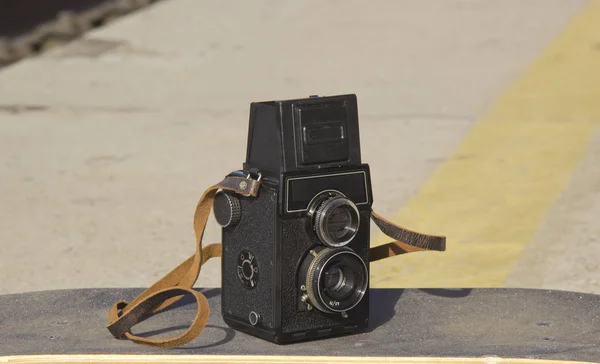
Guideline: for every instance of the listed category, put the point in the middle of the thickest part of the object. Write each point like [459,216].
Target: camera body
[295,262]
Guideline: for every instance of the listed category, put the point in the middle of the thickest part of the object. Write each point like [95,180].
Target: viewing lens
[339,223]
[336,221]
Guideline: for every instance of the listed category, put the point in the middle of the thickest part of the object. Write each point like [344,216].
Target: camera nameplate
[364,192]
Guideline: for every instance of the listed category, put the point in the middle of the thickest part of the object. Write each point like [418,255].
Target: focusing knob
[227,209]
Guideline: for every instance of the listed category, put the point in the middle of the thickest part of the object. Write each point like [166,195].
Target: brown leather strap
[407,241]
[179,282]
[173,286]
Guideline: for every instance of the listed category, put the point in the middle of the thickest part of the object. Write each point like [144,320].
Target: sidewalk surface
[479,120]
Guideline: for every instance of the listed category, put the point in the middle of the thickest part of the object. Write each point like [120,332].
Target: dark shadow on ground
[383,306]
[448,292]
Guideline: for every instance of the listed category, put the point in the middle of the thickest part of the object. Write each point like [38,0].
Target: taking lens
[336,279]
[336,221]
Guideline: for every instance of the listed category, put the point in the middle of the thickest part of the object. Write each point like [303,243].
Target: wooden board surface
[231,359]
[412,325]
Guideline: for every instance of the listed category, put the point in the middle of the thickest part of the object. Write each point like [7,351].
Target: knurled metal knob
[227,209]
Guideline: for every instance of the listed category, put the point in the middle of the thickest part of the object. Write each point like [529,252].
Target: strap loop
[136,314]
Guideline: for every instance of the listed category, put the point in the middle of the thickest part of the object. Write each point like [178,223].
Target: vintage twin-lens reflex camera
[295,262]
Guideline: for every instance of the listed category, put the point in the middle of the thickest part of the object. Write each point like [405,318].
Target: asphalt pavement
[479,120]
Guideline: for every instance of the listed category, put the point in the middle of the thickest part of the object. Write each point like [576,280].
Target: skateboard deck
[407,326]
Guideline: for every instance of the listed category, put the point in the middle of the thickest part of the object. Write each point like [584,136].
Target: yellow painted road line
[489,197]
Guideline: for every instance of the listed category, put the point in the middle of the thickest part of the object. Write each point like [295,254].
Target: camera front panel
[337,203]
